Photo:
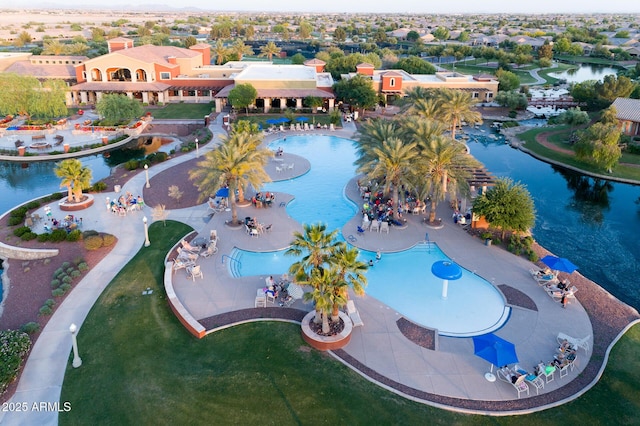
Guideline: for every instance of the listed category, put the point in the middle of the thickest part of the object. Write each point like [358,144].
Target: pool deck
[450,376]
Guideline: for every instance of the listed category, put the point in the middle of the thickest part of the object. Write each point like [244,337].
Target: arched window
[392,82]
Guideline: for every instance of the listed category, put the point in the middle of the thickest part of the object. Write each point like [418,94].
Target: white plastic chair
[194,271]
[521,386]
[375,226]
[384,227]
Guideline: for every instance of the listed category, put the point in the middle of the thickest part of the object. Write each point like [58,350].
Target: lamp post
[147,243]
[197,150]
[77,362]
[146,174]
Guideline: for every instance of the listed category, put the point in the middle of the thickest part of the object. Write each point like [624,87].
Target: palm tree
[269,50]
[241,49]
[318,247]
[235,163]
[53,47]
[350,273]
[372,134]
[455,107]
[220,51]
[424,108]
[420,129]
[75,177]
[393,163]
[444,161]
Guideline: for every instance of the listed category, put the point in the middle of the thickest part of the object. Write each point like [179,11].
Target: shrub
[99,187]
[33,205]
[132,164]
[14,220]
[18,232]
[55,283]
[50,303]
[83,266]
[108,240]
[46,310]
[58,272]
[30,328]
[66,280]
[57,292]
[78,260]
[58,235]
[43,238]
[70,269]
[28,236]
[20,212]
[532,256]
[15,345]
[65,287]
[75,274]
[93,242]
[74,235]
[65,265]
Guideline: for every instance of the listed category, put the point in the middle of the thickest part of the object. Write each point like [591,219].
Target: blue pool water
[473,305]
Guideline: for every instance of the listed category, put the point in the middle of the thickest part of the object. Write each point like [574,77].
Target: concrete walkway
[451,371]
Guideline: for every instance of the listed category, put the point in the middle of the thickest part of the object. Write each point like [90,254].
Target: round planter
[86,202]
[326,343]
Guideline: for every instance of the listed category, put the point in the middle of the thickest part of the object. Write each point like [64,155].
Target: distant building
[628,114]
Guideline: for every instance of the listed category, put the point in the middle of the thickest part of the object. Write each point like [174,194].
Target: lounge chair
[577,343]
[384,227]
[182,263]
[521,385]
[211,250]
[375,226]
[189,247]
[186,254]
[354,314]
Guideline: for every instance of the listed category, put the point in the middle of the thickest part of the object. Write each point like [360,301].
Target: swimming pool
[404,282]
[401,280]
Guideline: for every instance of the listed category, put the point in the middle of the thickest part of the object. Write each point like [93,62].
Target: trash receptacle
[487,242]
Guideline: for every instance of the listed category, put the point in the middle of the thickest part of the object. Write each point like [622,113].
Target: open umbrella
[273,121]
[559,264]
[283,120]
[301,119]
[496,350]
[223,192]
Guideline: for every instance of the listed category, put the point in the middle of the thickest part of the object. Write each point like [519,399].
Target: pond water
[584,72]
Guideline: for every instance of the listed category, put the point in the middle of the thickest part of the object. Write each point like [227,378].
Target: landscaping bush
[70,270]
[32,205]
[74,235]
[98,187]
[66,280]
[43,238]
[46,310]
[30,328]
[14,220]
[28,236]
[83,266]
[18,232]
[132,164]
[58,273]
[65,287]
[75,273]
[58,235]
[14,346]
[93,242]
[108,240]
[57,292]
[78,260]
[50,303]
[65,265]
[20,212]
[55,283]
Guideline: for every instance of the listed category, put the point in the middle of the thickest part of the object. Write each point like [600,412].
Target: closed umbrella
[295,291]
[496,350]
[559,264]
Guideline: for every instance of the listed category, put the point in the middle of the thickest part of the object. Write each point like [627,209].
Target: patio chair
[210,251]
[536,381]
[521,386]
[213,235]
[576,343]
[548,371]
[194,272]
[189,247]
[354,314]
[186,255]
[384,227]
[182,263]
[375,226]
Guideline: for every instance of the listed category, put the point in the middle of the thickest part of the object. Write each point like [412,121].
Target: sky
[375,6]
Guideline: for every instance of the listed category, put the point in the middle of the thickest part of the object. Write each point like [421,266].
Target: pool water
[400,280]
[403,281]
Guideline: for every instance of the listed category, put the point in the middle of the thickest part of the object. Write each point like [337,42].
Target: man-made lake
[584,72]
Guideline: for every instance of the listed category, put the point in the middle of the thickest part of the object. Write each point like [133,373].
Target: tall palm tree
[236,163]
[269,50]
[220,51]
[321,281]
[420,129]
[424,108]
[350,273]
[371,135]
[53,47]
[393,163]
[318,247]
[241,49]
[444,161]
[456,106]
[75,177]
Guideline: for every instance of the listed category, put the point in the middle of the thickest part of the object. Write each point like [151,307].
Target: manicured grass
[529,137]
[182,111]
[140,366]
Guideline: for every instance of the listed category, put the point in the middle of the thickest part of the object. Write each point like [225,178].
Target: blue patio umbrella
[223,192]
[273,121]
[496,350]
[559,264]
[283,120]
[302,119]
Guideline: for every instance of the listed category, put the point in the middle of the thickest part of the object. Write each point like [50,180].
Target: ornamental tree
[116,108]
[243,96]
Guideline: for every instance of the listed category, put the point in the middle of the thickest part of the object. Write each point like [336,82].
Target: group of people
[261,199]
[68,223]
[278,289]
[125,203]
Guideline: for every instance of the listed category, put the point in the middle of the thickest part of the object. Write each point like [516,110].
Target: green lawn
[181,111]
[140,366]
[621,171]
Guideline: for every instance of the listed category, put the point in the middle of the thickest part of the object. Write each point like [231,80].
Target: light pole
[197,150]
[146,174]
[77,362]
[147,243]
